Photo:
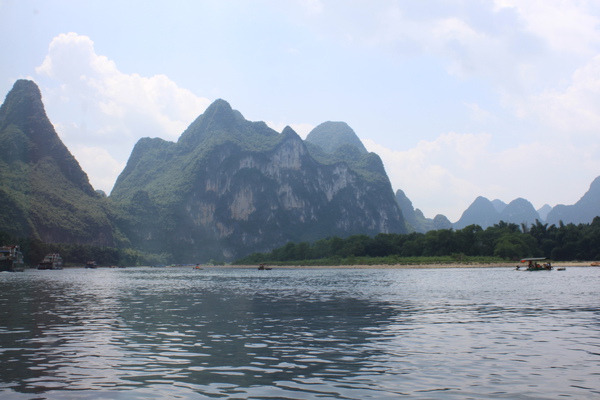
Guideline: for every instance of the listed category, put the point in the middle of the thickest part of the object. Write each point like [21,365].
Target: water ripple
[293,334]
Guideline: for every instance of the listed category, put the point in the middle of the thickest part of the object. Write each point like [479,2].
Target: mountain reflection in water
[146,333]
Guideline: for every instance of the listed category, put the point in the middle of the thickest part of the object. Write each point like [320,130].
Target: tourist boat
[533,264]
[51,261]
[91,264]
[263,267]
[11,259]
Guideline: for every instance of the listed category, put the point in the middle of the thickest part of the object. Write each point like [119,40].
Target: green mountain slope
[44,194]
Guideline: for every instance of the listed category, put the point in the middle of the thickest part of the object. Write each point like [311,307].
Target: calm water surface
[147,333]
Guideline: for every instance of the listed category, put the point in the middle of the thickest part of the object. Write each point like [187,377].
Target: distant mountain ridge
[416,219]
[583,211]
[486,213]
[481,212]
[544,211]
[226,188]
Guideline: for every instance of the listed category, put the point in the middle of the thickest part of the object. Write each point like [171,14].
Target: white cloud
[98,105]
[454,34]
[575,108]
[517,46]
[433,173]
[568,26]
[100,166]
[479,114]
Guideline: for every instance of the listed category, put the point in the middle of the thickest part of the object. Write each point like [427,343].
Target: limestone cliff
[230,187]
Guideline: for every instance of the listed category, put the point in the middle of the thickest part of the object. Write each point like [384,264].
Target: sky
[460,98]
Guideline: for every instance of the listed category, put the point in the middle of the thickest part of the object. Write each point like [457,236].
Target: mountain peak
[287,131]
[519,211]
[25,85]
[220,112]
[481,212]
[221,122]
[499,205]
[54,195]
[331,135]
[31,137]
[219,105]
[22,102]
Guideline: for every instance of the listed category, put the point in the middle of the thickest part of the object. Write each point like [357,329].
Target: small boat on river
[263,267]
[51,261]
[11,259]
[533,264]
[91,265]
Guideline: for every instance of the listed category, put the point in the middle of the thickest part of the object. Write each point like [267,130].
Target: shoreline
[507,264]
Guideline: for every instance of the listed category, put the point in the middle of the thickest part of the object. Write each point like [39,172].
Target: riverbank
[508,264]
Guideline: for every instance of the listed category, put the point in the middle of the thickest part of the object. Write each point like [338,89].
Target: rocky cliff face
[43,191]
[230,187]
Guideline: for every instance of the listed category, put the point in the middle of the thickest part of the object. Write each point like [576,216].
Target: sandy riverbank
[507,264]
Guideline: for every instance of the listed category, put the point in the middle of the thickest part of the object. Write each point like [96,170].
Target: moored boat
[11,259]
[51,261]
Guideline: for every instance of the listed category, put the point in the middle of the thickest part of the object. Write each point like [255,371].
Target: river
[166,333]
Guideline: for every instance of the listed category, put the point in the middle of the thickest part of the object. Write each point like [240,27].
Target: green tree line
[503,241]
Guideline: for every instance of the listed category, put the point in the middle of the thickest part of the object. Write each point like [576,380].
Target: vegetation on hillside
[503,241]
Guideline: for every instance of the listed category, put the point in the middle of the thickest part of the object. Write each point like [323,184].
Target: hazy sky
[498,98]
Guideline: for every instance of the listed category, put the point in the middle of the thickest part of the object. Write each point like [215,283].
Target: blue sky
[498,98]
